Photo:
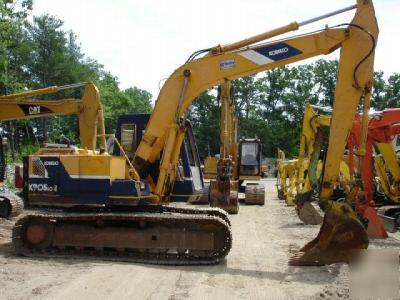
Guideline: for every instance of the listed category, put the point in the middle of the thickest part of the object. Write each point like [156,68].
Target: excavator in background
[294,175]
[237,161]
[18,107]
[118,209]
[285,178]
[383,127]
[387,169]
[299,177]
[359,176]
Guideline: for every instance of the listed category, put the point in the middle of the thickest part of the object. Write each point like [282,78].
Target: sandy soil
[256,267]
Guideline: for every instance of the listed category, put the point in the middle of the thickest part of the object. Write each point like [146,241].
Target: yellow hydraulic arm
[228,123]
[228,133]
[89,110]
[311,122]
[165,130]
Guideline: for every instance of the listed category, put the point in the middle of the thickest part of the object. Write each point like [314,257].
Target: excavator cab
[189,183]
[250,159]
[250,168]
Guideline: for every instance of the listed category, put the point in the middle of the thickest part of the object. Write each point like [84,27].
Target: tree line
[37,52]
[270,105]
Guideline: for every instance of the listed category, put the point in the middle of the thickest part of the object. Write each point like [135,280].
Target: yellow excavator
[298,178]
[293,175]
[237,161]
[117,208]
[387,169]
[286,175]
[19,106]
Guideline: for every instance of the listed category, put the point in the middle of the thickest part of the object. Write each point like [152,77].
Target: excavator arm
[357,42]
[88,109]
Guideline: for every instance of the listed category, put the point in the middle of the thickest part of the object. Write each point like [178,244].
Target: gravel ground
[256,267]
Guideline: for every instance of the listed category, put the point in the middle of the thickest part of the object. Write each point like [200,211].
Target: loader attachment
[339,239]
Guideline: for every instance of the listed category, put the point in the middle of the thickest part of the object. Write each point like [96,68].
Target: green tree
[204,115]
[117,102]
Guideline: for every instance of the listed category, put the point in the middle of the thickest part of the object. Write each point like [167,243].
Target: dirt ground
[256,267]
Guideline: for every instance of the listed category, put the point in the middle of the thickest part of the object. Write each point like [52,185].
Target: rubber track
[130,256]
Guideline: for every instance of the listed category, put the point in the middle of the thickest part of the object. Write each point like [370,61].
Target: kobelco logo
[50,163]
[278,51]
[34,110]
[42,187]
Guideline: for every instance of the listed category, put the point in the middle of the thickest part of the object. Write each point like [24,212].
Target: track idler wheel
[38,234]
[340,238]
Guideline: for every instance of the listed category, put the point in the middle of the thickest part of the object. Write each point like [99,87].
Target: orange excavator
[129,217]
[382,128]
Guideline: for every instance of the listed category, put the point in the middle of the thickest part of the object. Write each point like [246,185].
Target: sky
[143,41]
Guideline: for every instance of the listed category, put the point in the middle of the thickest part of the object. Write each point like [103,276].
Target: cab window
[129,139]
[249,154]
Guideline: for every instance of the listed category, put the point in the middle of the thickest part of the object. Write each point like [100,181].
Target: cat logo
[34,110]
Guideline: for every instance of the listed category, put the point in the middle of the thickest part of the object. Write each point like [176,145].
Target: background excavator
[380,157]
[237,161]
[382,127]
[118,208]
[18,107]
[293,175]
[387,170]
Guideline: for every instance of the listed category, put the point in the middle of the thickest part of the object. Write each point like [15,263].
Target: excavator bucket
[224,195]
[306,212]
[339,239]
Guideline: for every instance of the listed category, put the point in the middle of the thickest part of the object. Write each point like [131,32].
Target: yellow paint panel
[94,165]
[70,163]
[210,166]
[118,167]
